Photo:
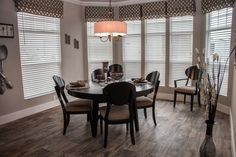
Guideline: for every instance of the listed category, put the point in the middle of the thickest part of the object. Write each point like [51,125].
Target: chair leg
[106,134]
[175,95]
[127,126]
[184,98]
[68,119]
[88,117]
[101,125]
[154,115]
[191,103]
[91,121]
[65,123]
[145,113]
[199,99]
[132,132]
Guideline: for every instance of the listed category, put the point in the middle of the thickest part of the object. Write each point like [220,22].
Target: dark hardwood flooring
[178,133]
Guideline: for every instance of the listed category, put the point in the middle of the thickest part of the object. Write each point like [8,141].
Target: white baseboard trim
[233,149]
[27,112]
[222,108]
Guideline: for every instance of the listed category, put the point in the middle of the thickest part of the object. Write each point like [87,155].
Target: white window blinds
[155,47]
[98,51]
[40,52]
[219,37]
[181,38]
[132,50]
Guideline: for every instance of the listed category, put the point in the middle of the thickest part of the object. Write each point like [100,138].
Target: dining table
[94,91]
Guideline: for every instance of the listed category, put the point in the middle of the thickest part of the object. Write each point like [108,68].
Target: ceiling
[106,2]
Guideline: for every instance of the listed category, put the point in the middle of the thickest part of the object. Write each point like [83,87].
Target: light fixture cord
[110,9]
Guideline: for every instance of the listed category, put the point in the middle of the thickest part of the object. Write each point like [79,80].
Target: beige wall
[13,100]
[72,59]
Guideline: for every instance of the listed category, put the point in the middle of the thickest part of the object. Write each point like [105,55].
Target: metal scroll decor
[4,83]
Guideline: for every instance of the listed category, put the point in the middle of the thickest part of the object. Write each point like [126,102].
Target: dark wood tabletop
[94,91]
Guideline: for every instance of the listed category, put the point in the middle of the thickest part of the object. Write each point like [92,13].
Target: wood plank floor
[178,133]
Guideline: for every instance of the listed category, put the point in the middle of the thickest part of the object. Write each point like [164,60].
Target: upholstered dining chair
[115,71]
[82,106]
[116,68]
[98,75]
[145,102]
[193,77]
[119,110]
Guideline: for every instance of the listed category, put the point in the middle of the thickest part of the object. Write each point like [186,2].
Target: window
[155,47]
[40,53]
[98,51]
[218,38]
[181,38]
[132,50]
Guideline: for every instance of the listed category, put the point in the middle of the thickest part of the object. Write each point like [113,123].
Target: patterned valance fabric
[154,10]
[94,14]
[51,8]
[130,12]
[180,7]
[212,5]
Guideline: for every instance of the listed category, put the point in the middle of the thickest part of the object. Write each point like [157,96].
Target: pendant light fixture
[108,30]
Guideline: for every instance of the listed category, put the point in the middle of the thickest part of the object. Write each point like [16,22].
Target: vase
[208,148]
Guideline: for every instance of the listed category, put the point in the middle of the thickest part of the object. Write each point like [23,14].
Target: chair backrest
[97,75]
[153,76]
[193,72]
[120,93]
[116,68]
[60,85]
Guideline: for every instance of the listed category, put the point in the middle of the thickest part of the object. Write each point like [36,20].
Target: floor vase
[208,148]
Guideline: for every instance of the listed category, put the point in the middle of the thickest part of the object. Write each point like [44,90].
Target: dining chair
[145,102]
[193,76]
[119,110]
[115,71]
[81,106]
[98,75]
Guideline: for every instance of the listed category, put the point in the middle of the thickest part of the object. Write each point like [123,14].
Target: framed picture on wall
[6,30]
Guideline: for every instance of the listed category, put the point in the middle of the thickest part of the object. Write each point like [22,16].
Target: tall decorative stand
[208,148]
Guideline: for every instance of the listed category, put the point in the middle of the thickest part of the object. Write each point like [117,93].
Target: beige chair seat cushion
[186,89]
[143,101]
[116,112]
[79,106]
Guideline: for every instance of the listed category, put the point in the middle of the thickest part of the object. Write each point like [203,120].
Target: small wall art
[76,44]
[6,30]
[67,39]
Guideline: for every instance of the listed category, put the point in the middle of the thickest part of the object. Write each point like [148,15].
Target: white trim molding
[27,112]
[164,96]
[233,149]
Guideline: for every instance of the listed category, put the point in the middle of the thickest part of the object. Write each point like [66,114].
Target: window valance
[52,8]
[160,9]
[130,12]
[180,7]
[154,10]
[94,14]
[212,5]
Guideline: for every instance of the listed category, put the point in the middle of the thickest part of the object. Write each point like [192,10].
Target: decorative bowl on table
[139,80]
[78,83]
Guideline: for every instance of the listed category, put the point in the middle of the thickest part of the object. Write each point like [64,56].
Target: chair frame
[197,83]
[152,77]
[98,72]
[60,86]
[130,101]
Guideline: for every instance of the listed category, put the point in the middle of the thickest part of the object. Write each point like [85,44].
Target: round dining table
[94,91]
